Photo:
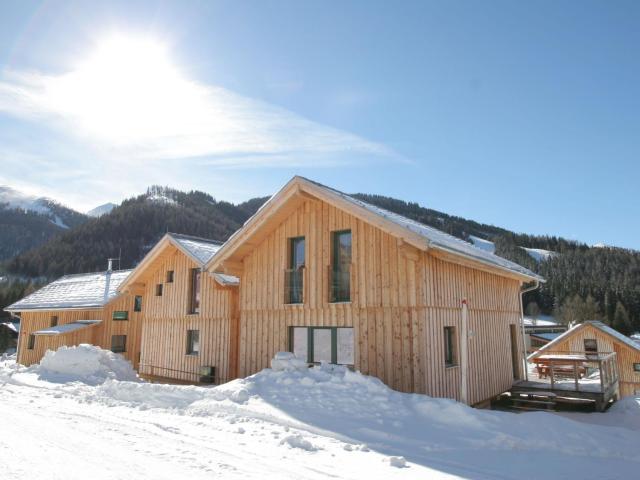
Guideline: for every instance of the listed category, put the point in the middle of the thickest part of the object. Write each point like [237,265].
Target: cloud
[129,101]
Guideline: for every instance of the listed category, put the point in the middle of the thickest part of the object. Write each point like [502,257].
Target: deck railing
[559,367]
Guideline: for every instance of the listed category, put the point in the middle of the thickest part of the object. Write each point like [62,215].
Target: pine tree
[621,320]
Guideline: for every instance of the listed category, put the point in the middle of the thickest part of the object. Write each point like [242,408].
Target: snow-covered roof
[226,280]
[13,326]
[436,238]
[85,290]
[541,321]
[67,327]
[594,323]
[201,249]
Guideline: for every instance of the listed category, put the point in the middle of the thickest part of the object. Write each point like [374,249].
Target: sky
[523,115]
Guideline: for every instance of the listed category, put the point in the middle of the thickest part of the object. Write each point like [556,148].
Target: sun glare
[126,88]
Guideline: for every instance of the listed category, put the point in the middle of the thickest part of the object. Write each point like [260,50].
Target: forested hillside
[582,282]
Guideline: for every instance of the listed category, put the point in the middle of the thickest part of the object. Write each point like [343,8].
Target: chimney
[109,264]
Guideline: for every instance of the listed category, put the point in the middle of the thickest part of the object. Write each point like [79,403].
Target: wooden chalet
[75,309]
[592,341]
[339,280]
[190,318]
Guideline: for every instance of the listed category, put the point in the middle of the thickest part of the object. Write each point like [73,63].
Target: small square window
[193,342]
[118,343]
[170,276]
[137,303]
[636,367]
[159,290]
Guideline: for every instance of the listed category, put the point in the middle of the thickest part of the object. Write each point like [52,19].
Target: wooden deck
[570,377]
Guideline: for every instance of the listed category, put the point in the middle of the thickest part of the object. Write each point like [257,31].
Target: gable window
[137,303]
[159,290]
[450,350]
[294,275]
[170,276]
[32,342]
[340,267]
[323,344]
[194,297]
[193,342]
[590,345]
[54,321]
[118,343]
[120,315]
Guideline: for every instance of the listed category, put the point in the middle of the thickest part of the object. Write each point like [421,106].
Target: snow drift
[84,363]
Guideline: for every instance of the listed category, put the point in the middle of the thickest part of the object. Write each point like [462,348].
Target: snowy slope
[101,210]
[538,254]
[315,423]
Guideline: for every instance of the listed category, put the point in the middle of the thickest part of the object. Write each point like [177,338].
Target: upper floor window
[54,321]
[159,290]
[294,275]
[170,276]
[590,345]
[194,299]
[340,266]
[137,303]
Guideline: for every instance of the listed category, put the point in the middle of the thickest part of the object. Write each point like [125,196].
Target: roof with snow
[431,237]
[606,329]
[226,280]
[85,290]
[67,327]
[13,326]
[201,249]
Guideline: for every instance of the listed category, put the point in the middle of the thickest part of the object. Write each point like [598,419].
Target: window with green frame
[120,315]
[137,303]
[323,344]
[340,287]
[294,275]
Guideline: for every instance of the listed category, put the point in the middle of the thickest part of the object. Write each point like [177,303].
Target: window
[194,299]
[159,290]
[137,303]
[120,315]
[341,267]
[170,276]
[590,345]
[294,275]
[323,344]
[54,321]
[118,343]
[32,342]
[636,367]
[193,342]
[450,350]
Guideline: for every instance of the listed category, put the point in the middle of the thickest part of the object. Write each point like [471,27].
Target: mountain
[28,221]
[583,282]
[101,210]
[130,230]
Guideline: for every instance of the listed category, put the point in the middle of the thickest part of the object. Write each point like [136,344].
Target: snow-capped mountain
[56,213]
[101,210]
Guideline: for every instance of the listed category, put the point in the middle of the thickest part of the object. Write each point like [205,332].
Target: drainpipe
[464,364]
[535,286]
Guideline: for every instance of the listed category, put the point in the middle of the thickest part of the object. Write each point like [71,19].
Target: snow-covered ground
[82,413]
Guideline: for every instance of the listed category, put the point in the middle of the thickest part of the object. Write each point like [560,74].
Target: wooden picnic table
[543,367]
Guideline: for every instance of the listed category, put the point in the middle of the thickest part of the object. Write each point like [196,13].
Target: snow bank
[84,363]
[287,361]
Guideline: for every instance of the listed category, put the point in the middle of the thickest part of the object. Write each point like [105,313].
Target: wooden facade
[402,298]
[100,334]
[167,319]
[626,355]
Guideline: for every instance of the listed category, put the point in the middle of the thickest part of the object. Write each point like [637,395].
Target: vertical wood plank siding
[626,356]
[99,335]
[167,319]
[401,300]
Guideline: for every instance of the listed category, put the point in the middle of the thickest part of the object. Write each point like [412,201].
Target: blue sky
[523,115]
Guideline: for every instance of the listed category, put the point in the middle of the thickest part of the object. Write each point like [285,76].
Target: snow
[201,249]
[483,244]
[539,254]
[157,198]
[67,327]
[541,321]
[23,201]
[101,210]
[85,290]
[316,423]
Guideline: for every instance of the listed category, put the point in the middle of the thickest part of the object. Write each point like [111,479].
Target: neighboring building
[84,308]
[335,279]
[540,331]
[189,330]
[9,337]
[596,337]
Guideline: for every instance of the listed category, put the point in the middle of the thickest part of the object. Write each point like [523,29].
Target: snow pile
[287,361]
[84,363]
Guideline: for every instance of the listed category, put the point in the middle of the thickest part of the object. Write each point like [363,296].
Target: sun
[126,88]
